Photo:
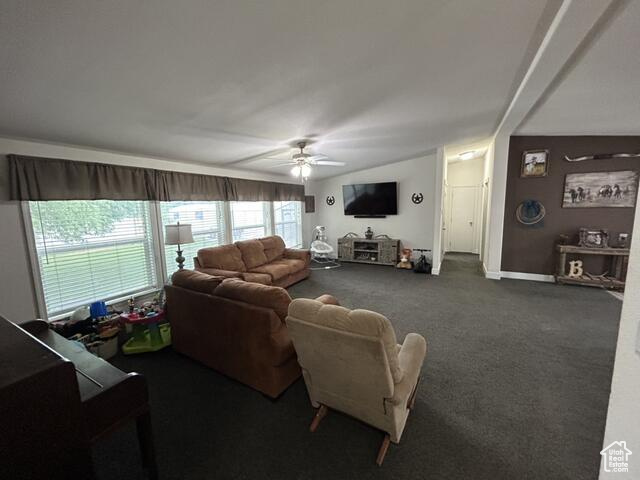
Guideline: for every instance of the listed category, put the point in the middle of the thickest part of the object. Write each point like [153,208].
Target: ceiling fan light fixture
[295,171]
[305,170]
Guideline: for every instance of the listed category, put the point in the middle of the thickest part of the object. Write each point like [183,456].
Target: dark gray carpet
[515,386]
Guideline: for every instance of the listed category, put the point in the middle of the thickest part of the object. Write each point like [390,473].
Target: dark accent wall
[531,249]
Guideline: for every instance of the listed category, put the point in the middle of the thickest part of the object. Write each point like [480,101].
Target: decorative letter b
[575,269]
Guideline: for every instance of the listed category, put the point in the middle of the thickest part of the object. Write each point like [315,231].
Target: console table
[617,272]
[378,251]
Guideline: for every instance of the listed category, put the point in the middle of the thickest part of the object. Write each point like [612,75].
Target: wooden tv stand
[378,251]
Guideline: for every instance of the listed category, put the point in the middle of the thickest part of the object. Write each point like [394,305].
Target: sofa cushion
[263,278]
[275,298]
[294,265]
[225,257]
[273,247]
[276,270]
[362,322]
[252,253]
[198,281]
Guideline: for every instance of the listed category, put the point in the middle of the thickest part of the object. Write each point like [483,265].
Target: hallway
[456,263]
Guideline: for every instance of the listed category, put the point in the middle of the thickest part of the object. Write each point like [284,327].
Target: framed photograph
[600,189]
[535,163]
[594,238]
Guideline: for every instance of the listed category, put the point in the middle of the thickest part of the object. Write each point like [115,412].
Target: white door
[462,229]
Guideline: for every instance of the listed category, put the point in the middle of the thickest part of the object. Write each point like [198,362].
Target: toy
[405,259]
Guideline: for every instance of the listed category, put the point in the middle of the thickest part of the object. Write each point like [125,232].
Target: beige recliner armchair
[351,362]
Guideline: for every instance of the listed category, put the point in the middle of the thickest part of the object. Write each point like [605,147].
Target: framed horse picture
[600,189]
[535,163]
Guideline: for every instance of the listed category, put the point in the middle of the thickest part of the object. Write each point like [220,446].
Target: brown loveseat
[235,327]
[265,260]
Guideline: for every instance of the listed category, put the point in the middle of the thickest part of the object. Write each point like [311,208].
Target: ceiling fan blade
[260,156]
[318,156]
[329,163]
[288,164]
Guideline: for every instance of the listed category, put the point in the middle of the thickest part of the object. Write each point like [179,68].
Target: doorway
[463,223]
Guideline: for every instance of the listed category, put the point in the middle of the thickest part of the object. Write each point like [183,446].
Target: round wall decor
[331,200]
[530,212]
[417,198]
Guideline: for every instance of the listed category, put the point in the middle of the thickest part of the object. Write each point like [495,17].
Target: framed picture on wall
[600,189]
[535,163]
[594,238]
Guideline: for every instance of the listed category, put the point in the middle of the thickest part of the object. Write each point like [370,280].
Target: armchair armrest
[328,299]
[410,359]
[220,273]
[298,254]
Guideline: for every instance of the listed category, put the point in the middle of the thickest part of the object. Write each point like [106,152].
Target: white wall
[440,193]
[497,156]
[466,173]
[413,225]
[17,297]
[623,418]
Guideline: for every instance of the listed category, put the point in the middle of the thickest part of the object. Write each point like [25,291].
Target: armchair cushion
[225,257]
[267,296]
[410,358]
[362,322]
[252,253]
[328,299]
[273,247]
[198,281]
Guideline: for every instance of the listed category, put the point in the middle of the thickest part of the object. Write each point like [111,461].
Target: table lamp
[178,235]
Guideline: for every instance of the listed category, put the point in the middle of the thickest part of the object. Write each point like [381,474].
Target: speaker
[309,204]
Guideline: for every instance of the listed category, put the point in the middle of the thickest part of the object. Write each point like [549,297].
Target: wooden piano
[56,399]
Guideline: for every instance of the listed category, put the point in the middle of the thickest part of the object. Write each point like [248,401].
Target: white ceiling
[373,81]
[599,94]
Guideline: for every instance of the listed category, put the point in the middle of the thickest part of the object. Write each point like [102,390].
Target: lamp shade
[178,234]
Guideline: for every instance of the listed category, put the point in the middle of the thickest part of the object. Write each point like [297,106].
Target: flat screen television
[370,199]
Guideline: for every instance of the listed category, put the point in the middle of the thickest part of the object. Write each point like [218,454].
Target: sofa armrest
[220,273]
[298,254]
[328,299]
[410,359]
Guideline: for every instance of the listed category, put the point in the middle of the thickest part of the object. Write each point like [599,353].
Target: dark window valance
[36,178]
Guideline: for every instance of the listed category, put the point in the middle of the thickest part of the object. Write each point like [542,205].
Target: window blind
[249,220]
[92,250]
[207,227]
[288,222]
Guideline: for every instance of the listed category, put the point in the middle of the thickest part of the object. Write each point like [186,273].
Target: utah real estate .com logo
[615,457]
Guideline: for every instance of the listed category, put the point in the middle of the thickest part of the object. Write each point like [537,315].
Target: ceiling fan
[303,162]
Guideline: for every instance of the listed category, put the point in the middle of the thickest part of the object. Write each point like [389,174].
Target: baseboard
[535,277]
[490,275]
[436,270]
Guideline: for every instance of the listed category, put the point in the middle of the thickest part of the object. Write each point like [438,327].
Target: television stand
[377,251]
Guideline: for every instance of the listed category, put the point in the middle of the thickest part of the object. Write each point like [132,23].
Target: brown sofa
[265,260]
[235,327]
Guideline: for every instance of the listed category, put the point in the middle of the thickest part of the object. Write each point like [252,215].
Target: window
[92,250]
[288,222]
[207,226]
[249,220]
